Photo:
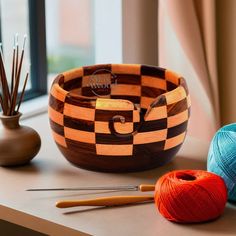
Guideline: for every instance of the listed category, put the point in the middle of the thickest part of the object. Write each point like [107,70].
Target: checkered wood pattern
[80,120]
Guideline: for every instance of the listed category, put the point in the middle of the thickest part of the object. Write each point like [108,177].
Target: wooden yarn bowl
[119,117]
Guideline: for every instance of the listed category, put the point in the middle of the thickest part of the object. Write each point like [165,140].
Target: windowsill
[37,211]
[34,107]
[38,105]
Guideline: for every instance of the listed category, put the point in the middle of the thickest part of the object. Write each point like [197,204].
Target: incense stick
[17,53]
[1,51]
[5,89]
[1,103]
[12,78]
[13,70]
[17,80]
[22,93]
[9,94]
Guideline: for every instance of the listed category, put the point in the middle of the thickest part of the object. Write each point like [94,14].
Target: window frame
[38,55]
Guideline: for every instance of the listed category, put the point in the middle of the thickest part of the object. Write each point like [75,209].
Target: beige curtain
[187,44]
[197,39]
[226,51]
[140,36]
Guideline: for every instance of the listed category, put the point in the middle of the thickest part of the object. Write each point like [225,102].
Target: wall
[226,49]
[139,22]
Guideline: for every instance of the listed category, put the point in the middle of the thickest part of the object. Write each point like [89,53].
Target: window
[26,17]
[82,32]
[62,34]
[70,34]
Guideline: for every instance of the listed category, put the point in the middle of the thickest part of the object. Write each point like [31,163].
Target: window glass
[69,33]
[15,20]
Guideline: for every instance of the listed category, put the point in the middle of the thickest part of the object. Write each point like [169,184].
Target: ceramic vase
[18,144]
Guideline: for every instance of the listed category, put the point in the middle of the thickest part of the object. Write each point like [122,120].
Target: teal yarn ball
[222,157]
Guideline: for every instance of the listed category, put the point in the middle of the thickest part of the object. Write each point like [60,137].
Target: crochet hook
[141,187]
[105,201]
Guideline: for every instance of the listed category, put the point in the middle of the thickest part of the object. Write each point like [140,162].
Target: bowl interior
[139,84]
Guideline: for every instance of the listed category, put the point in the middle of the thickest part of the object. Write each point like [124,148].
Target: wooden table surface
[36,210]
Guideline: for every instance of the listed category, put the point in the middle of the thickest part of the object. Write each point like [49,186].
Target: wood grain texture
[134,99]
[142,159]
[97,79]
[150,92]
[93,92]
[153,71]
[177,119]
[174,141]
[60,140]
[152,125]
[80,101]
[80,148]
[73,74]
[79,112]
[126,79]
[178,107]
[114,150]
[150,137]
[79,135]
[56,104]
[79,124]
[112,139]
[176,130]
[126,90]
[57,128]
[89,70]
[157,113]
[139,123]
[103,127]
[106,115]
[146,101]
[154,82]
[170,86]
[114,105]
[176,95]
[55,116]
[60,79]
[172,77]
[58,92]
[72,84]
[133,69]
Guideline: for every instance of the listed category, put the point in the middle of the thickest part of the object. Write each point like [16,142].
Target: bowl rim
[177,94]
[59,79]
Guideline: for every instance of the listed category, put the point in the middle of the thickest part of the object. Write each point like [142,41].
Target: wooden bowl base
[139,162]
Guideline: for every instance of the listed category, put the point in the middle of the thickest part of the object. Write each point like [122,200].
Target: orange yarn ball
[188,196]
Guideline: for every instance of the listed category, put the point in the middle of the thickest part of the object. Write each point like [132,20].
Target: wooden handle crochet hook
[146,187]
[141,187]
[105,201]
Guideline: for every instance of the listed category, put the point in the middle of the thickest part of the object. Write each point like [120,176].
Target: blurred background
[195,38]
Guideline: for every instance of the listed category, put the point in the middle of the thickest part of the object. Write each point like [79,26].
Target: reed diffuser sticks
[9,101]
